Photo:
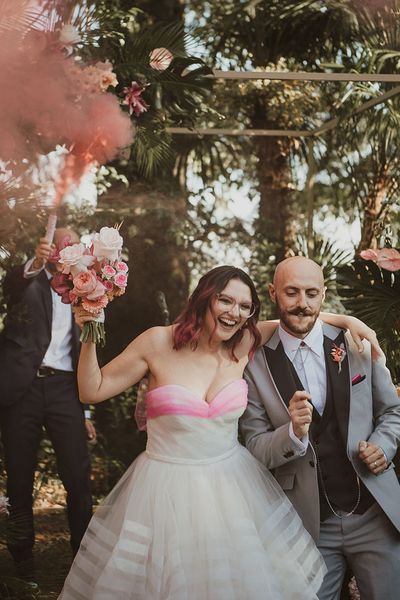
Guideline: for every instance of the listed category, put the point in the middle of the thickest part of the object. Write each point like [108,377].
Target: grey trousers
[371,546]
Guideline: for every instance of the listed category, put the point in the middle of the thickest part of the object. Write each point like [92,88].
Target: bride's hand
[360,331]
[82,316]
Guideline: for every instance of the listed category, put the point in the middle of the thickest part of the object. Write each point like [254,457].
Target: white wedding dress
[196,516]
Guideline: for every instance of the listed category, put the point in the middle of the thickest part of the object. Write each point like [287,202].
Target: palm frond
[152,151]
[373,295]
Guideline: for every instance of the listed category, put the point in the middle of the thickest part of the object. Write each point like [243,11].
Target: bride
[196,516]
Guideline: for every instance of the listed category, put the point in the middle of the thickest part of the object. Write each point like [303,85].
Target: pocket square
[357,379]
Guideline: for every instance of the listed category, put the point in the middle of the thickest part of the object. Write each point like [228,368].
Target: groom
[326,420]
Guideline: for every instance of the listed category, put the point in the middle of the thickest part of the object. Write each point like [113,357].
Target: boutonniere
[338,354]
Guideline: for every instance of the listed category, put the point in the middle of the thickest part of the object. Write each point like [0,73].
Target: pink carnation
[85,283]
[121,280]
[95,306]
[121,267]
[108,271]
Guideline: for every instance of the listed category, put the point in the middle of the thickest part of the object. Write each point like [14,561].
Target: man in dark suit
[325,419]
[39,349]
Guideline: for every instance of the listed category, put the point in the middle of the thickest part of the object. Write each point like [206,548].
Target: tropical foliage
[373,295]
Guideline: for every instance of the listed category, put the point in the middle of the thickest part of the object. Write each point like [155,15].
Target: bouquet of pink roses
[91,277]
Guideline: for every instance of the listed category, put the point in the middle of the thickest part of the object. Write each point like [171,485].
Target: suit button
[312,463]
[316,441]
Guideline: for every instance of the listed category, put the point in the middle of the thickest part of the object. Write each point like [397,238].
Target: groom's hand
[300,410]
[373,456]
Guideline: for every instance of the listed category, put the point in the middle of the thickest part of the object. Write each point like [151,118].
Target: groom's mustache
[300,312]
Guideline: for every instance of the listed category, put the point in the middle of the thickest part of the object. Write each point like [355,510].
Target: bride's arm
[358,330]
[267,328]
[95,384]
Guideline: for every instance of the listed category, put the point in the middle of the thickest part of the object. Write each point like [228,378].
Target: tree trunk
[276,221]
[373,209]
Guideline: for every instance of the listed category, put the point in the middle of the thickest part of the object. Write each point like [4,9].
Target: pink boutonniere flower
[338,354]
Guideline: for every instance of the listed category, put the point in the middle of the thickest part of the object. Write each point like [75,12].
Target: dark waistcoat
[328,433]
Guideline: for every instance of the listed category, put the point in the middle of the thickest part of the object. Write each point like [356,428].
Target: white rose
[107,243]
[74,259]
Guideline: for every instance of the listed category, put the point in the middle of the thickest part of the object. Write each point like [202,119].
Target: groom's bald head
[298,291]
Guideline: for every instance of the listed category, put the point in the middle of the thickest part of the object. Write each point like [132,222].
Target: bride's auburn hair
[189,324]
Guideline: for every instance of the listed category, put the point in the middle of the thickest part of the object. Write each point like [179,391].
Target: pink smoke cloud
[49,99]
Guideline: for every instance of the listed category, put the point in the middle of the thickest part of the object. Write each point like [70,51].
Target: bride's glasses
[227,304]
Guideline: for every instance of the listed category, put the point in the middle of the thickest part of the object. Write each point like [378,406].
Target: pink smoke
[47,99]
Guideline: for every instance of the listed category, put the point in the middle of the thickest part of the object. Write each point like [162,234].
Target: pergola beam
[236,132]
[285,132]
[306,76]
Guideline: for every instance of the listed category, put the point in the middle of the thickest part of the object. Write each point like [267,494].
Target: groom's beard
[297,321]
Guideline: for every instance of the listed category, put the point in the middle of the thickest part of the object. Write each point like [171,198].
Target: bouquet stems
[93,331]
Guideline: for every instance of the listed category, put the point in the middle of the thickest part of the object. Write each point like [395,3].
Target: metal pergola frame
[312,133]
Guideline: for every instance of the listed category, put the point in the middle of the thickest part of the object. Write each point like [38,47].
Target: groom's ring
[375,463]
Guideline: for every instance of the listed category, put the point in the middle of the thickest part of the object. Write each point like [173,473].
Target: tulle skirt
[220,530]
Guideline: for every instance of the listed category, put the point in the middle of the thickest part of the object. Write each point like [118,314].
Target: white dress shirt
[308,359]
[58,355]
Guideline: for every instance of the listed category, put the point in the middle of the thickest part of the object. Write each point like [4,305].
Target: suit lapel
[281,371]
[74,341]
[46,294]
[340,384]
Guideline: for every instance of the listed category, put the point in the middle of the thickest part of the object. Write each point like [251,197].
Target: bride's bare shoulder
[154,338]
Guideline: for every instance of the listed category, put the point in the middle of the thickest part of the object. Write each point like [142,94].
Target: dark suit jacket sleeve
[15,284]
[272,446]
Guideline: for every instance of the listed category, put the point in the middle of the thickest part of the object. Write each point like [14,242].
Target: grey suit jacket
[374,415]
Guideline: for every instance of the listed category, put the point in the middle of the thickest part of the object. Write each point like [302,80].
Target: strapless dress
[196,516]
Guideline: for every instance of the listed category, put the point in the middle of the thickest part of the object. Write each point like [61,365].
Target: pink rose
[75,258]
[108,285]
[121,267]
[98,291]
[121,280]
[108,271]
[84,283]
[73,298]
